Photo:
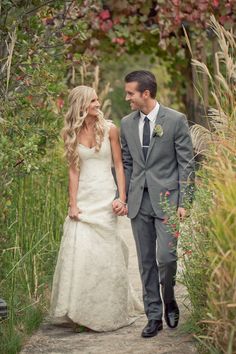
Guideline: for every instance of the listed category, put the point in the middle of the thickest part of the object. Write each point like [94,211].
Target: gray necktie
[146,137]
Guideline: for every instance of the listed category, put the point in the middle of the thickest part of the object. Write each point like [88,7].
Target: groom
[158,162]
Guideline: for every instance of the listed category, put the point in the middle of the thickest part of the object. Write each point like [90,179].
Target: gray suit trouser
[157,257]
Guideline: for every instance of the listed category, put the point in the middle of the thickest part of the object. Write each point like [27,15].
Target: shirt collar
[151,115]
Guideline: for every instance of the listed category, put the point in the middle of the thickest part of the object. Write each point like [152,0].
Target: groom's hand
[119,208]
[181,212]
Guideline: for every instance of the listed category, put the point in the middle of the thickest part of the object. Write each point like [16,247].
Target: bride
[90,284]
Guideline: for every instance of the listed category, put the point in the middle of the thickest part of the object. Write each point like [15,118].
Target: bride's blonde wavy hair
[79,100]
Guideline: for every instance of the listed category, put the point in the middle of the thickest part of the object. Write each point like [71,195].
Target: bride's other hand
[74,213]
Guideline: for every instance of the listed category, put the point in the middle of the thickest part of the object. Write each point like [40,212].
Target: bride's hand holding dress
[74,213]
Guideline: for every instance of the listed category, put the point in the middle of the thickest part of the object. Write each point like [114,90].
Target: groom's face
[136,98]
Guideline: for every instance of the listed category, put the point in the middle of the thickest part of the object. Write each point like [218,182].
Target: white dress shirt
[152,118]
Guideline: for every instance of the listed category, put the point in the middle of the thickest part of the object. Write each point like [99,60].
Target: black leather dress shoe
[172,314]
[151,329]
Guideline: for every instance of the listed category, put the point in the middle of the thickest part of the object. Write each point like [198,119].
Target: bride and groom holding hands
[91,286]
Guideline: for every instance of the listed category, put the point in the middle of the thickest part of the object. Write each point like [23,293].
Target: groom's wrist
[121,202]
[122,198]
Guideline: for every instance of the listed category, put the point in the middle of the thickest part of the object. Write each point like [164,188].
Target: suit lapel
[135,131]
[159,120]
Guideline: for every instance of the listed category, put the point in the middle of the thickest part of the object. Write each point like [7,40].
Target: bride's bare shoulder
[112,129]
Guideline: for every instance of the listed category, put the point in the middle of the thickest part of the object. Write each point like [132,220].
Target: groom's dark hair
[145,79]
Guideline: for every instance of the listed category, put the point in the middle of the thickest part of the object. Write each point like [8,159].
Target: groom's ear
[146,94]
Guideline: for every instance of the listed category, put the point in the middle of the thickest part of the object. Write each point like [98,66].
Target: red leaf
[104,15]
[215,3]
[65,38]
[18,78]
[120,40]
[116,20]
[60,103]
[177,20]
[106,26]
[224,19]
[177,234]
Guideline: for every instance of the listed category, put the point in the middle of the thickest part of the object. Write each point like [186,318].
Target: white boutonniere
[158,130]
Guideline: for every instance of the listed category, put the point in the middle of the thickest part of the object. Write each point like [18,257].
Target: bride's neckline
[87,147]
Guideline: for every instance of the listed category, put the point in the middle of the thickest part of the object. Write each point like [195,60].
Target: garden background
[48,47]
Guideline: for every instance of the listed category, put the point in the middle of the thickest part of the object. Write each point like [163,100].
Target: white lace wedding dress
[91,285]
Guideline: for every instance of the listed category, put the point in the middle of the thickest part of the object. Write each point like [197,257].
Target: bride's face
[93,107]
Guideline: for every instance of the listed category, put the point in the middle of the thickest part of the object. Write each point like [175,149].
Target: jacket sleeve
[126,157]
[185,160]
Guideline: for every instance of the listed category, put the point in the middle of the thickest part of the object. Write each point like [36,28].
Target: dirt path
[57,340]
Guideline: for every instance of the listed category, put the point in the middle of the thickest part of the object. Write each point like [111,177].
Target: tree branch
[36,8]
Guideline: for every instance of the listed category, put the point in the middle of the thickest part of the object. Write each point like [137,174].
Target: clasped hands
[119,207]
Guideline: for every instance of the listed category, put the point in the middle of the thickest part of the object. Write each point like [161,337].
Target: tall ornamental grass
[210,233]
[28,250]
[221,290]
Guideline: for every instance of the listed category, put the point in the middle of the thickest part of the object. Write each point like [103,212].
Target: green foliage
[194,243]
[29,242]
[33,76]
[11,341]
[33,193]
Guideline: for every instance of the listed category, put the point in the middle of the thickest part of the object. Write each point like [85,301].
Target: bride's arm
[120,176]
[73,188]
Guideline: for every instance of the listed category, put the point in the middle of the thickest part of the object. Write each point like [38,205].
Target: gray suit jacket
[169,163]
